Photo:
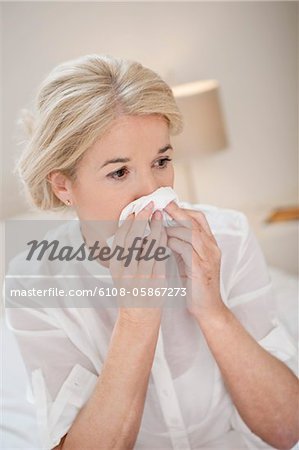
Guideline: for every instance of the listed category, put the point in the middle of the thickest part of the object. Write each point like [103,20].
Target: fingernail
[157,215]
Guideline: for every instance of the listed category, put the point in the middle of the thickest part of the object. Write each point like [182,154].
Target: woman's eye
[118,174]
[121,173]
[163,162]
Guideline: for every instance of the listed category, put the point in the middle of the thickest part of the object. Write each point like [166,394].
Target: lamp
[204,130]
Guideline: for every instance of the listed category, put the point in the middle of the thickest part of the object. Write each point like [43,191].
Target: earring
[68,202]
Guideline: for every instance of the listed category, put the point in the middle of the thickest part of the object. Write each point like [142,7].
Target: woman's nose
[148,184]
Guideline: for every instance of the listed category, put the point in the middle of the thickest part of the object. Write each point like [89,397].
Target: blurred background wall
[251,48]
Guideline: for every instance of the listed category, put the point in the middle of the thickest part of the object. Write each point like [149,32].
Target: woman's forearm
[263,389]
[111,417]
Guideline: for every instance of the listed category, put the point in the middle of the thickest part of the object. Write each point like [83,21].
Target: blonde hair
[75,105]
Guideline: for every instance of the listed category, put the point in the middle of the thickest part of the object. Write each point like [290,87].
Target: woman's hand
[199,259]
[144,276]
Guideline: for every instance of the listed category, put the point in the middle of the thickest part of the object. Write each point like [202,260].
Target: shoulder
[221,220]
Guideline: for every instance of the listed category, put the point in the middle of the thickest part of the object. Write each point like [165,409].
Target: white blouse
[187,405]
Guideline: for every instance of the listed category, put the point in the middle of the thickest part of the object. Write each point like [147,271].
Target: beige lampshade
[204,128]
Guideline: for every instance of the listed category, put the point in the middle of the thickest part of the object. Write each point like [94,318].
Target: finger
[200,217]
[180,265]
[175,258]
[139,224]
[184,249]
[163,237]
[152,243]
[115,265]
[135,237]
[159,266]
[122,231]
[193,237]
[179,215]
[180,232]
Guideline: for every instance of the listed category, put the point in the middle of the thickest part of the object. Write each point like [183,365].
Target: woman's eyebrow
[123,160]
[164,149]
[115,160]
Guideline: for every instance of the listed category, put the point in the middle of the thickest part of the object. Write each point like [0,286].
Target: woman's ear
[61,186]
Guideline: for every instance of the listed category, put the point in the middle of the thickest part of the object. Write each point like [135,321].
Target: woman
[209,375]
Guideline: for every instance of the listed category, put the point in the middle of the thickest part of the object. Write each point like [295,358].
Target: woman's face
[131,160]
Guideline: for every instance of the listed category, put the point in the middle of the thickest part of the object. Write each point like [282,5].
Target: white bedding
[18,426]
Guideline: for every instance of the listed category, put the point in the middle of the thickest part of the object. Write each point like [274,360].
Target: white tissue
[161,197]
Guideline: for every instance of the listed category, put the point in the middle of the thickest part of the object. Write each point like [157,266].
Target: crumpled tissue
[161,198]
